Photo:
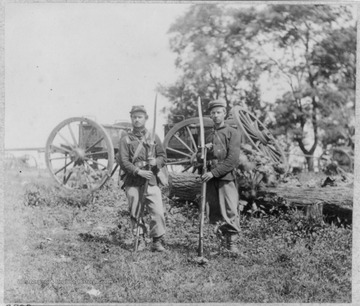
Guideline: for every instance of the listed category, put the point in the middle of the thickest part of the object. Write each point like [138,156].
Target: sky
[96,60]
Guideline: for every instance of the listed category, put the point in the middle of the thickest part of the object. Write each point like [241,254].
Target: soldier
[138,167]
[223,144]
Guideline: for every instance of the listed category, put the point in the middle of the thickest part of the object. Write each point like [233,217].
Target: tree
[208,66]
[309,49]
[335,56]
[316,57]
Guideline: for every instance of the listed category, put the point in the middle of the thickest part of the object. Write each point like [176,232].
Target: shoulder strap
[140,146]
[138,149]
[218,137]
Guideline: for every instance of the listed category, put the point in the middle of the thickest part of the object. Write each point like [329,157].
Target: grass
[65,247]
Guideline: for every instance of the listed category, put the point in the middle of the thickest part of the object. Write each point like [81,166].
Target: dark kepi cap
[216,103]
[138,108]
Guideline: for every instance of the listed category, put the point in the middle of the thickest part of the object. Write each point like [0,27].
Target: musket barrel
[203,185]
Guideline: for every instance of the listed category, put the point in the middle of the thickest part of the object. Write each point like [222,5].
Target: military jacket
[127,148]
[225,152]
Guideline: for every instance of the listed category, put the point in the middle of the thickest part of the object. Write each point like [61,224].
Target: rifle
[203,185]
[150,153]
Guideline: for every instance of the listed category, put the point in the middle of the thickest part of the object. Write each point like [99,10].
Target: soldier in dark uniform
[222,196]
[138,167]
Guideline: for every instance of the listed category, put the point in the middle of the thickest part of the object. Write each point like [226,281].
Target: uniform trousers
[222,204]
[153,203]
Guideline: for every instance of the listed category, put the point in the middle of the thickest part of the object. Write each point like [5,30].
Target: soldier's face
[138,119]
[217,114]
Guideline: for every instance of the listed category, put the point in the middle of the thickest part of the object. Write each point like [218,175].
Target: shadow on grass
[86,237]
[181,247]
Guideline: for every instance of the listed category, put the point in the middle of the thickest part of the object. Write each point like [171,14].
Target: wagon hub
[78,155]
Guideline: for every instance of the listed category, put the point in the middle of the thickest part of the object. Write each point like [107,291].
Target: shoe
[157,246]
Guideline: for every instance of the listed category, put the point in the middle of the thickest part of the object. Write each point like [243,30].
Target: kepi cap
[216,103]
[138,108]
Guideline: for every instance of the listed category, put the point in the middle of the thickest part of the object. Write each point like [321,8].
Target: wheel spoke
[91,168]
[62,150]
[81,129]
[185,145]
[96,162]
[95,153]
[67,142]
[88,149]
[179,162]
[247,119]
[177,151]
[192,138]
[267,152]
[187,168]
[67,178]
[72,135]
[64,167]
[90,183]
[273,155]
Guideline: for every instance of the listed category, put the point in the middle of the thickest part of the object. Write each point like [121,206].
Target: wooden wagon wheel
[79,154]
[258,135]
[181,144]
[342,156]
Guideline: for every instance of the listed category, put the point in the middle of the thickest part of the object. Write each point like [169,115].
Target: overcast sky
[95,59]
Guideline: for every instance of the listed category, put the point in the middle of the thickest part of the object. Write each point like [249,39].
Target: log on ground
[314,201]
[342,196]
[184,186]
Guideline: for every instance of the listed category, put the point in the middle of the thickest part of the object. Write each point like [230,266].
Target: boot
[231,243]
[156,245]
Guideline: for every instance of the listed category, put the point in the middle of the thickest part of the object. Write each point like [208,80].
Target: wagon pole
[39,149]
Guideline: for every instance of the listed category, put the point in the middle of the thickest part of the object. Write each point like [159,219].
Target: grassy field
[77,248]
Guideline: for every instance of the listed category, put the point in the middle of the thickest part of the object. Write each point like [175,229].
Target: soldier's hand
[206,177]
[147,174]
[152,161]
[209,146]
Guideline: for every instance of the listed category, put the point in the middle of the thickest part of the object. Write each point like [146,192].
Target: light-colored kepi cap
[216,103]
[138,108]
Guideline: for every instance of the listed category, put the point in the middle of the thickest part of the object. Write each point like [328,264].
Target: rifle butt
[140,216]
[202,220]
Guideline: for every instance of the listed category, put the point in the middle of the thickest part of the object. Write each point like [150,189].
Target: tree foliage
[209,66]
[222,51]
